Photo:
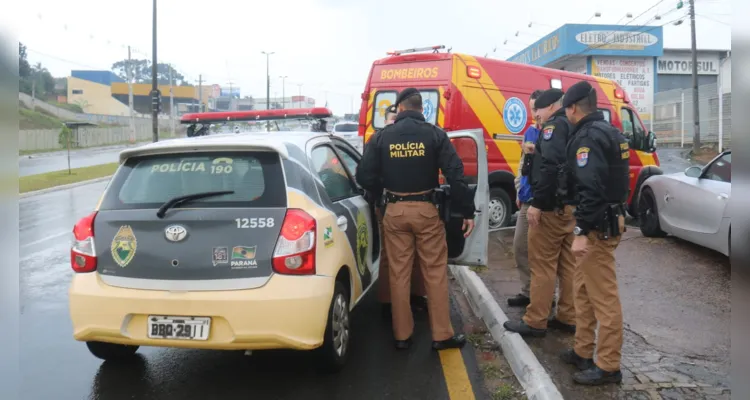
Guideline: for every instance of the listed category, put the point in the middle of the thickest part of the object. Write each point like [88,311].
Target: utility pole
[283,91]
[155,95]
[299,86]
[696,105]
[200,93]
[171,99]
[231,98]
[130,96]
[268,80]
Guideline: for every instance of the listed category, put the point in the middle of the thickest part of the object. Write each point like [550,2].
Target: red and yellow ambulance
[466,92]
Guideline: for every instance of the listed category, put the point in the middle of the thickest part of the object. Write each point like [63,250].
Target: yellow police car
[234,242]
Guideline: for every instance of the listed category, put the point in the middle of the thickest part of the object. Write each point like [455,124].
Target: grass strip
[51,179]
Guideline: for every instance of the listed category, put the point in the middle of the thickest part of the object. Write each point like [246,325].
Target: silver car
[691,205]
[349,132]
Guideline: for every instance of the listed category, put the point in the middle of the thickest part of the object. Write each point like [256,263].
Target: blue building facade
[624,53]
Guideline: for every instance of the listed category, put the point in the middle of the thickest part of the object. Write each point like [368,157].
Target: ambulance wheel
[500,208]
[336,344]
[111,351]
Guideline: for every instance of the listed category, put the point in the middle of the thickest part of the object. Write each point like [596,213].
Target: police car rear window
[148,182]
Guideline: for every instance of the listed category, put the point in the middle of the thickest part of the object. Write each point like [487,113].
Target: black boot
[456,342]
[569,356]
[554,323]
[519,300]
[521,328]
[595,376]
[403,344]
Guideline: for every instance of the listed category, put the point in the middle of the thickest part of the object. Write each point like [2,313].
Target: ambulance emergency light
[416,50]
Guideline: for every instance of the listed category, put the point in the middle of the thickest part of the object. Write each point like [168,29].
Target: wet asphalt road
[57,161]
[54,366]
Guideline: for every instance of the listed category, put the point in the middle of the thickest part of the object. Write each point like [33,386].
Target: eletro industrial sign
[619,40]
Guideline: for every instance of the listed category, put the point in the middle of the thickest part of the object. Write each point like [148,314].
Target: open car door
[472,250]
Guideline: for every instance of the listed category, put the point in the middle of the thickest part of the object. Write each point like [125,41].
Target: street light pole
[283,91]
[299,86]
[268,79]
[696,105]
[154,83]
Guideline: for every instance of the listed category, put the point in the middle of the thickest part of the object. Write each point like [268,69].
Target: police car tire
[112,351]
[497,193]
[331,361]
[649,226]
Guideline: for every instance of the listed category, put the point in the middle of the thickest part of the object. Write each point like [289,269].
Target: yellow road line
[456,376]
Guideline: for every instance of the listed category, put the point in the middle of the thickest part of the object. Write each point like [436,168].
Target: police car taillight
[82,250]
[295,248]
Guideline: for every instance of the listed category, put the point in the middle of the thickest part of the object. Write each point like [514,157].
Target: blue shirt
[524,193]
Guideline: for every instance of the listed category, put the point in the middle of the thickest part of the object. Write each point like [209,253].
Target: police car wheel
[335,349]
[648,216]
[111,351]
[500,208]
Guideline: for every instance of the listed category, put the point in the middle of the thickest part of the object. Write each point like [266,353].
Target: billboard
[230,92]
[594,40]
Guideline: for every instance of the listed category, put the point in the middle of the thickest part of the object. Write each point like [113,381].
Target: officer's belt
[395,198]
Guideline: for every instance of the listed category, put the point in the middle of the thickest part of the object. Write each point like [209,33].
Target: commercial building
[105,93]
[634,56]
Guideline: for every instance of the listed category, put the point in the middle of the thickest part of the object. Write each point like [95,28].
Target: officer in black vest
[551,224]
[598,166]
[407,156]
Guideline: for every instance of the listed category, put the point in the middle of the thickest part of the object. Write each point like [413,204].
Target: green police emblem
[363,240]
[123,246]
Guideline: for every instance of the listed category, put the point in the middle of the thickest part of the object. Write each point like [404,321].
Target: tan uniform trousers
[384,288]
[412,230]
[551,258]
[597,299]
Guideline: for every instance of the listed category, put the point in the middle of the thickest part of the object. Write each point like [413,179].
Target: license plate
[184,328]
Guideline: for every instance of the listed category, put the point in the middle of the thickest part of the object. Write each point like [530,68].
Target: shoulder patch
[547,131]
[582,156]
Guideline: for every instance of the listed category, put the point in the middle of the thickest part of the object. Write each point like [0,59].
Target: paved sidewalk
[676,306]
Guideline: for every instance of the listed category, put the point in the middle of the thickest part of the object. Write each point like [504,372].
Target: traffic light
[679,4]
[156,101]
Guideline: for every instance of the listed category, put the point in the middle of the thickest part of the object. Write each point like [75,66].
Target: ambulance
[465,92]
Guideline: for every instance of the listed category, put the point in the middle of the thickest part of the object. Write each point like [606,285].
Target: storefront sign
[634,74]
[683,64]
[617,40]
[543,48]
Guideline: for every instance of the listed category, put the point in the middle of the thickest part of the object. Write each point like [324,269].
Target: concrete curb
[530,373]
[63,187]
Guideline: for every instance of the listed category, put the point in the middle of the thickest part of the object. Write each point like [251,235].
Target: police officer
[407,156]
[551,224]
[597,160]
[418,290]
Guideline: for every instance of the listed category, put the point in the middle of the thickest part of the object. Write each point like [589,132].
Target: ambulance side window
[627,122]
[383,99]
[607,115]
[631,128]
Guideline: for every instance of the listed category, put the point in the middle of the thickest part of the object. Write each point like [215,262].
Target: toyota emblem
[175,233]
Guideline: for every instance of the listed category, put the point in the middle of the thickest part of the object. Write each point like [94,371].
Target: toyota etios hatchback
[234,242]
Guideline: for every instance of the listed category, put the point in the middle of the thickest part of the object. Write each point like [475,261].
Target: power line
[712,19]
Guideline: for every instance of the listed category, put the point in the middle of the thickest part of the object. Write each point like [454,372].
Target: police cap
[548,98]
[391,110]
[406,93]
[576,93]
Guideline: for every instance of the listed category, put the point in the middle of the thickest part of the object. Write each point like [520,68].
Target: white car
[349,131]
[691,205]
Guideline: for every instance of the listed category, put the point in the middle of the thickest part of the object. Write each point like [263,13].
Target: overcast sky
[322,44]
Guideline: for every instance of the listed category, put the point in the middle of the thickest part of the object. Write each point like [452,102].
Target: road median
[38,182]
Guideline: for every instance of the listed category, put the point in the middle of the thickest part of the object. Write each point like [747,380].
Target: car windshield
[255,179]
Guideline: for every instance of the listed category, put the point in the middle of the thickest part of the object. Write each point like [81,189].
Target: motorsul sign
[617,40]
[683,65]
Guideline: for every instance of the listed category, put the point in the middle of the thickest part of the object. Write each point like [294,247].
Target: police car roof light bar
[416,50]
[257,115]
